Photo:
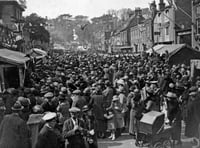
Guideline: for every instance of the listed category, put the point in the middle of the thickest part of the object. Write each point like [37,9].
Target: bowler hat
[24,101]
[17,106]
[85,108]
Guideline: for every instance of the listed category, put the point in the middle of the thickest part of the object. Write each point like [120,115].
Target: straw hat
[171,95]
[74,110]
[17,106]
[49,116]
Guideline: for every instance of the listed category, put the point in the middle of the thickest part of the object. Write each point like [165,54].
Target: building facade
[11,13]
[141,36]
[196,24]
[172,23]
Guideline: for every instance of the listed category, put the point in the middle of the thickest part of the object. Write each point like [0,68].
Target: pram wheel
[167,143]
[158,145]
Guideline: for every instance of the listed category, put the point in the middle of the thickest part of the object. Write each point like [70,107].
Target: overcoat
[14,133]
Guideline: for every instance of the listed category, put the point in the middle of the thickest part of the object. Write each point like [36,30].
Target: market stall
[12,61]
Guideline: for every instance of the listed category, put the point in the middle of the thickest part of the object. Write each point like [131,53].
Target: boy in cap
[72,129]
[48,137]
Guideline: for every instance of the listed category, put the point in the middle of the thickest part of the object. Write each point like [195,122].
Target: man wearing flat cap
[174,115]
[48,137]
[14,133]
[78,100]
[73,129]
[48,104]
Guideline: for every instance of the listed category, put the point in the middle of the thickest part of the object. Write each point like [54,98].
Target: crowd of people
[74,99]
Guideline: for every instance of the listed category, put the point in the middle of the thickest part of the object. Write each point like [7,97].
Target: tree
[35,25]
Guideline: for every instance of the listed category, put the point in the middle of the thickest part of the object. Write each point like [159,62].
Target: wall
[164,26]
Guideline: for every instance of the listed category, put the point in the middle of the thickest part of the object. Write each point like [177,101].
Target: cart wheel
[158,145]
[167,143]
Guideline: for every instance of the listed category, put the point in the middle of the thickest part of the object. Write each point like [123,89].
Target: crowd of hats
[76,74]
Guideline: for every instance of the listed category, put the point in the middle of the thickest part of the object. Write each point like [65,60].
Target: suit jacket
[48,138]
[74,137]
[97,102]
[79,102]
[14,133]
[108,94]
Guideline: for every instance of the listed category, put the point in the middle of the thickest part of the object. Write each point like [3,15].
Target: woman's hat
[85,108]
[74,110]
[115,98]
[17,106]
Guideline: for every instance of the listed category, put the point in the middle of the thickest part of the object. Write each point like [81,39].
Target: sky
[91,8]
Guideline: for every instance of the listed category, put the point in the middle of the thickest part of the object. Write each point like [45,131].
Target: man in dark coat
[108,94]
[48,104]
[193,117]
[48,137]
[72,130]
[14,132]
[78,100]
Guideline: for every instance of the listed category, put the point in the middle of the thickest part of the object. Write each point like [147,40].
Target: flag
[173,4]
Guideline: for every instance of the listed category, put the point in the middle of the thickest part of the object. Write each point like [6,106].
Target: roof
[21,3]
[133,21]
[13,57]
[171,49]
[155,48]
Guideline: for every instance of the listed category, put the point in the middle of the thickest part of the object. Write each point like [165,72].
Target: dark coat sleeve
[42,140]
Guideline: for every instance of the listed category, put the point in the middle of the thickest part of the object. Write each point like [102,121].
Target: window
[198,26]
[167,30]
[1,11]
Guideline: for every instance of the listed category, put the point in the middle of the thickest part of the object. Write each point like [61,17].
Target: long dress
[118,115]
[134,107]
[193,119]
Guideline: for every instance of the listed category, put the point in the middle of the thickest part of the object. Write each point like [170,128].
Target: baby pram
[152,131]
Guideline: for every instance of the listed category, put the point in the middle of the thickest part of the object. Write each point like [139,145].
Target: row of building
[175,22]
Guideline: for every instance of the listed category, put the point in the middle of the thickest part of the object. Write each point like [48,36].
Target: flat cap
[48,95]
[76,92]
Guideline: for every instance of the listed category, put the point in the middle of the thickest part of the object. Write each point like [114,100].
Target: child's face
[110,112]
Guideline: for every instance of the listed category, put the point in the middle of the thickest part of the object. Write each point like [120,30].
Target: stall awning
[13,57]
[171,49]
[38,53]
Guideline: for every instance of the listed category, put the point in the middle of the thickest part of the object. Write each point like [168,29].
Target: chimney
[153,8]
[138,12]
[162,5]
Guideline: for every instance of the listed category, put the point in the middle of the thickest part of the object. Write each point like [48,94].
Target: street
[126,141]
